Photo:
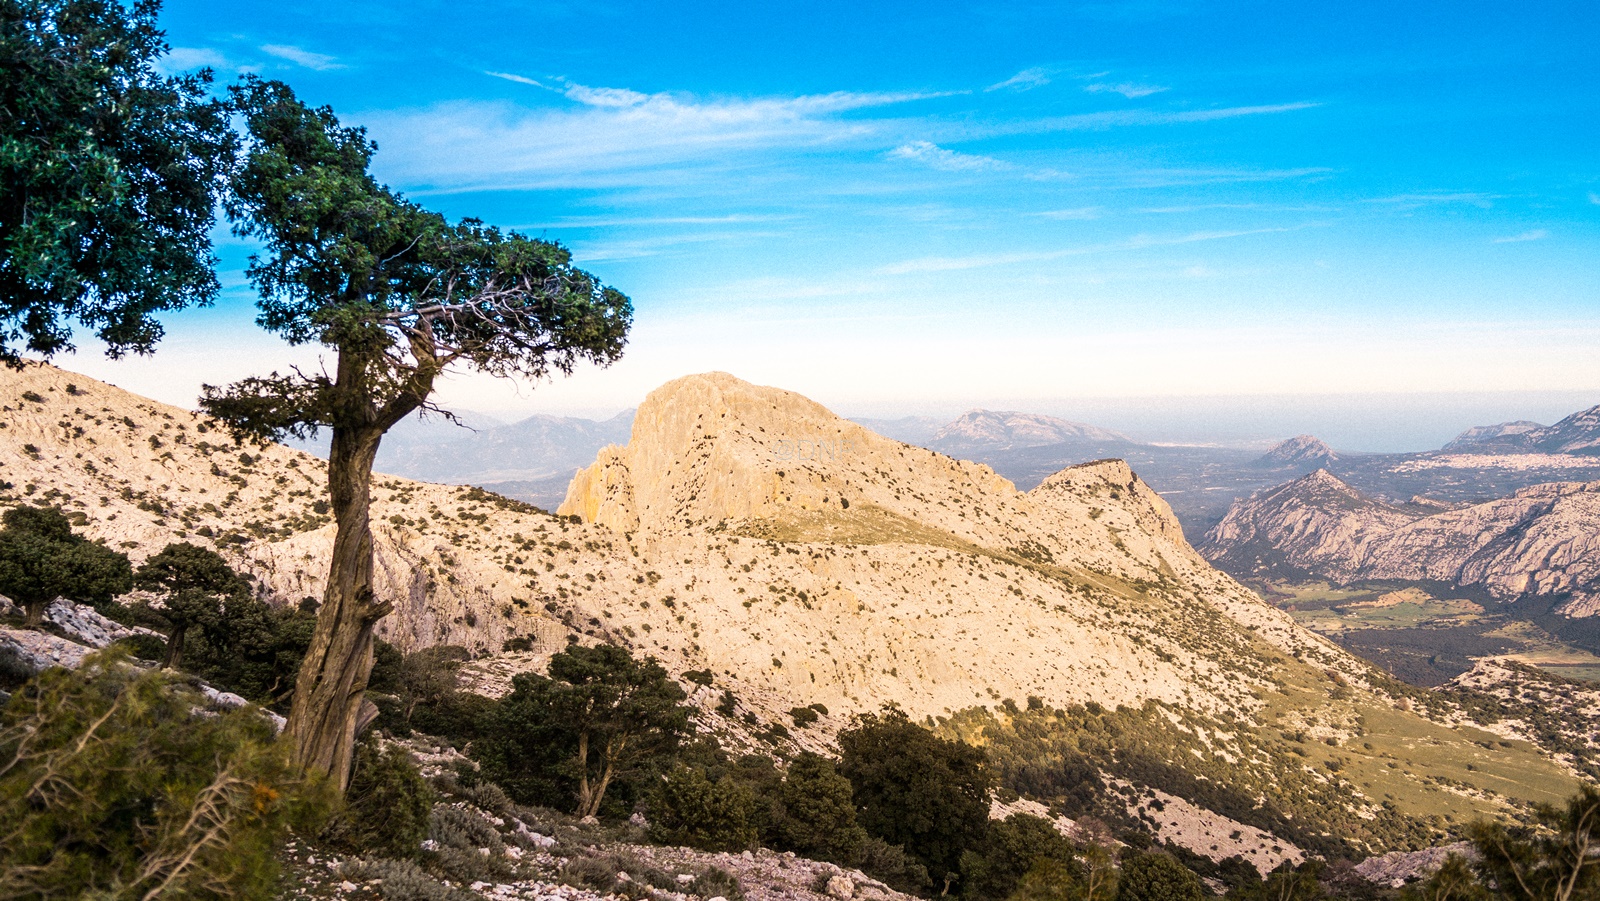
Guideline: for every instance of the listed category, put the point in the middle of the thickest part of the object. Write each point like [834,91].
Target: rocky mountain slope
[1577,434]
[1301,450]
[989,430]
[1543,540]
[802,559]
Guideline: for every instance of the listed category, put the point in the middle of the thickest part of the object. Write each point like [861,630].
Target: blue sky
[913,207]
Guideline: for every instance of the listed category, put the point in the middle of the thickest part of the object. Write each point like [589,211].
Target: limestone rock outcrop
[1543,540]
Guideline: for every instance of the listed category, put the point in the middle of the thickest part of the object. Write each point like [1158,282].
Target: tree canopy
[42,559]
[598,717]
[915,789]
[109,172]
[198,589]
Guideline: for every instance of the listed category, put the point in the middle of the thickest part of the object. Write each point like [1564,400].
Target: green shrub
[1012,848]
[892,866]
[402,880]
[914,789]
[717,881]
[689,809]
[387,806]
[1157,877]
[113,787]
[817,817]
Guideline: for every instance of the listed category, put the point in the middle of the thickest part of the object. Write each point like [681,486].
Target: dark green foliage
[803,716]
[111,786]
[600,717]
[912,788]
[1287,883]
[1012,848]
[1152,876]
[686,808]
[108,175]
[256,652]
[1453,881]
[387,805]
[891,865]
[818,814]
[1552,860]
[41,559]
[198,588]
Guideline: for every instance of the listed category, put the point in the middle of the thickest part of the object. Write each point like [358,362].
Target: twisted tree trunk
[333,675]
[328,693]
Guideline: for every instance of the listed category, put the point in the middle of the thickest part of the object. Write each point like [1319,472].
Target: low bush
[387,806]
[112,786]
[687,808]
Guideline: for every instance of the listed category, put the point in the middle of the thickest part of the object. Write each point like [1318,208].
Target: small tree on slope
[41,559]
[197,586]
[399,295]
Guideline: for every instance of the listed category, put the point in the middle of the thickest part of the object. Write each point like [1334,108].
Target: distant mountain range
[1543,540]
[534,459]
[1577,434]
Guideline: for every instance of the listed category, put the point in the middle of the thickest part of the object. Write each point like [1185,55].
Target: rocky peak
[1300,450]
[1008,429]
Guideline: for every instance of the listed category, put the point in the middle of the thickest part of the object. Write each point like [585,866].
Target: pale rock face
[939,587]
[909,577]
[1543,540]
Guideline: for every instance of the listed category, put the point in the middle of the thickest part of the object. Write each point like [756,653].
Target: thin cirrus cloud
[320,62]
[186,59]
[923,265]
[613,135]
[1026,80]
[1127,89]
[935,157]
[1430,198]
[1534,235]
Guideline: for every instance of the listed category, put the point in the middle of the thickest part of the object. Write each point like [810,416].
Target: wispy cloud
[1127,89]
[185,59]
[1533,235]
[1427,198]
[1594,198]
[320,62]
[1136,242]
[935,157]
[614,136]
[1080,213]
[1026,80]
[1121,118]
[615,221]
[519,79]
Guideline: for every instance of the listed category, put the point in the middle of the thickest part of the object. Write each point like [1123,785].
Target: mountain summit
[990,430]
[1577,434]
[1301,450]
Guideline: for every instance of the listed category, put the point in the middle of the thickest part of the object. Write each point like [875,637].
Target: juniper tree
[109,172]
[398,295]
[42,559]
[197,586]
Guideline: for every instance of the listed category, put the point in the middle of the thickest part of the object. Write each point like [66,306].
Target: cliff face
[1543,540]
[927,581]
